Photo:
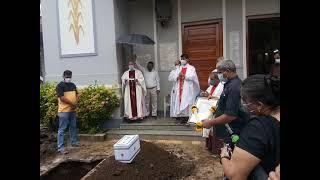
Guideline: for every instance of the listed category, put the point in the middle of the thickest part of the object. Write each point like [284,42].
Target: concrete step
[167,127]
[157,134]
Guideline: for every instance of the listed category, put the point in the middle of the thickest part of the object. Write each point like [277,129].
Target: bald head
[214,79]
[214,76]
[219,60]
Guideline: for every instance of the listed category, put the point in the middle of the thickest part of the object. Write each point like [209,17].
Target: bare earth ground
[207,165]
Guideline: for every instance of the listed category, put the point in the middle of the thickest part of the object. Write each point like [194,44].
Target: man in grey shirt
[152,80]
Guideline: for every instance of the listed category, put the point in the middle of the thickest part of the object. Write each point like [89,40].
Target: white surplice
[140,95]
[190,90]
[175,85]
[217,92]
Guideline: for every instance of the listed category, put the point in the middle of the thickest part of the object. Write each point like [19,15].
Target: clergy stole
[133,96]
[181,81]
[212,89]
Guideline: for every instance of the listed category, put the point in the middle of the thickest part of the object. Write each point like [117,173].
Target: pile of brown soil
[48,144]
[152,162]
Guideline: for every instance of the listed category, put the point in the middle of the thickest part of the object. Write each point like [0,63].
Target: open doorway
[263,38]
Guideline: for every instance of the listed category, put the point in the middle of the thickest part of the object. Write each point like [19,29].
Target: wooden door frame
[258,18]
[203,22]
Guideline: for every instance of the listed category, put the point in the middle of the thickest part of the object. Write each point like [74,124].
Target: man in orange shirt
[67,104]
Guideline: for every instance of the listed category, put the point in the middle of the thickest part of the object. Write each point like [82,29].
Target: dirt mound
[152,162]
[48,144]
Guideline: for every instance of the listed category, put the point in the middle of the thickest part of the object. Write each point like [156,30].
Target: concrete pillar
[235,34]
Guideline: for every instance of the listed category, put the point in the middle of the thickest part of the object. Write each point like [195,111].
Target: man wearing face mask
[134,90]
[153,86]
[67,103]
[229,105]
[215,88]
[187,90]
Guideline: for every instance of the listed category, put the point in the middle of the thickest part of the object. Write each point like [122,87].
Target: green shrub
[48,105]
[95,105]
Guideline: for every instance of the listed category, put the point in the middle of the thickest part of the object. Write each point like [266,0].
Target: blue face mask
[221,78]
[212,82]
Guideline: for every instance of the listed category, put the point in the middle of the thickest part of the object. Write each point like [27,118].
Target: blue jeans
[65,119]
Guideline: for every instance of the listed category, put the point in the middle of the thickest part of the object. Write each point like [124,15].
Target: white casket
[203,104]
[127,148]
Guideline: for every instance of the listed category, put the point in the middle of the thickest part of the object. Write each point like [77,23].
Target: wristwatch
[227,157]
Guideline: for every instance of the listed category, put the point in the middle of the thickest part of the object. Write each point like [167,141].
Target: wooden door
[202,41]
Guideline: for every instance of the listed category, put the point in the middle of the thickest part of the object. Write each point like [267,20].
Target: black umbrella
[135,39]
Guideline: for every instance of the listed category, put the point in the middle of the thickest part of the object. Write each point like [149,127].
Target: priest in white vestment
[134,88]
[173,93]
[215,86]
[186,89]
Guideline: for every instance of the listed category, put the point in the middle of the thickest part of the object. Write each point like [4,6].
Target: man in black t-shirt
[229,105]
[67,103]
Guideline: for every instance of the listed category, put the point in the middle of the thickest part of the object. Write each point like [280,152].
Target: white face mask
[67,80]
[277,61]
[183,62]
[131,67]
[221,78]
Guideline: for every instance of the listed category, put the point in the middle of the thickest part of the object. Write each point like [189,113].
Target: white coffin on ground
[127,148]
